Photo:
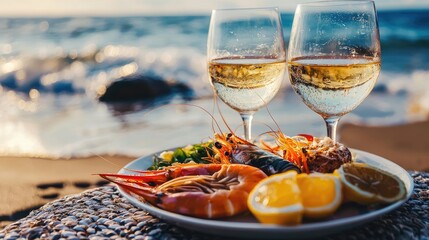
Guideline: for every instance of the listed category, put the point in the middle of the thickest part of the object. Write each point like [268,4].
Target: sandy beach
[404,144]
[27,183]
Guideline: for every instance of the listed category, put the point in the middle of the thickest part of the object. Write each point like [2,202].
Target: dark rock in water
[144,88]
[380,88]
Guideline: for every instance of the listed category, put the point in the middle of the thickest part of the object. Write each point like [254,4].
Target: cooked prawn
[199,190]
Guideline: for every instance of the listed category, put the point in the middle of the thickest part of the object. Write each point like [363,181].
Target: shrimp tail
[142,179]
[140,189]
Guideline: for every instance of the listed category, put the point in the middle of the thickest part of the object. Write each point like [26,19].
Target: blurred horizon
[106,8]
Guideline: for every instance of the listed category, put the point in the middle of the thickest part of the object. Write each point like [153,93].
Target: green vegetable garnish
[196,153]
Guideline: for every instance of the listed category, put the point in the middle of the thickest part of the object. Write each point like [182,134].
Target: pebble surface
[102,213]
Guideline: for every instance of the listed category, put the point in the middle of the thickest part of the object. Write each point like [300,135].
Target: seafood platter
[278,188]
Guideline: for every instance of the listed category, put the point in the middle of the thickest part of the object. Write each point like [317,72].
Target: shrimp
[198,190]
[310,154]
[292,148]
[232,149]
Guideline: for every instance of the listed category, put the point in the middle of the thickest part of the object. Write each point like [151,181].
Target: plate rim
[323,226]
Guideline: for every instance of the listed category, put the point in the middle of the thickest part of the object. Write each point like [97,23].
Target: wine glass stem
[331,126]
[247,123]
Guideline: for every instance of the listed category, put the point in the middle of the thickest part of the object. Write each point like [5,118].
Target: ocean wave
[86,73]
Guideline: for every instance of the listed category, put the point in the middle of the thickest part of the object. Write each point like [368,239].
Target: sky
[55,8]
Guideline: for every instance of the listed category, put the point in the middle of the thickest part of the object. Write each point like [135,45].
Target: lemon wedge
[277,200]
[320,193]
[287,197]
[366,184]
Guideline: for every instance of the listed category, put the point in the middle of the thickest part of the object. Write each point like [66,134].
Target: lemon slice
[320,193]
[277,200]
[366,184]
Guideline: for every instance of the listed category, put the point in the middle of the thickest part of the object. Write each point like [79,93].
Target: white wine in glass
[334,56]
[246,59]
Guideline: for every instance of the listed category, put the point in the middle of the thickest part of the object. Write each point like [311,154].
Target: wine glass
[334,56]
[246,59]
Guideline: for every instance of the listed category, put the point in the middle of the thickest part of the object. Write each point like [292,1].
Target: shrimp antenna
[268,132]
[191,105]
[213,111]
[211,115]
[107,160]
[222,117]
[271,116]
[115,164]
[269,113]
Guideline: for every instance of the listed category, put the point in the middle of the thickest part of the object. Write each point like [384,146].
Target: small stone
[68,234]
[108,232]
[56,236]
[97,193]
[12,235]
[34,233]
[112,226]
[82,235]
[79,228]
[132,210]
[53,223]
[129,225]
[79,215]
[126,221]
[90,230]
[72,218]
[123,205]
[143,214]
[85,221]
[59,227]
[141,224]
[153,221]
[100,227]
[102,220]
[109,222]
[106,202]
[70,223]
[89,211]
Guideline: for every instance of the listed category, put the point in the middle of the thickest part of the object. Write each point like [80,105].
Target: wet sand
[28,183]
[406,145]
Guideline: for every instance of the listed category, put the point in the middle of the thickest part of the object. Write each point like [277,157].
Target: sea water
[52,69]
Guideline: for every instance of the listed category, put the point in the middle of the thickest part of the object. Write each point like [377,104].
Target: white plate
[246,226]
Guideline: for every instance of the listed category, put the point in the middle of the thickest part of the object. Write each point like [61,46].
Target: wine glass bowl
[246,58]
[334,56]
